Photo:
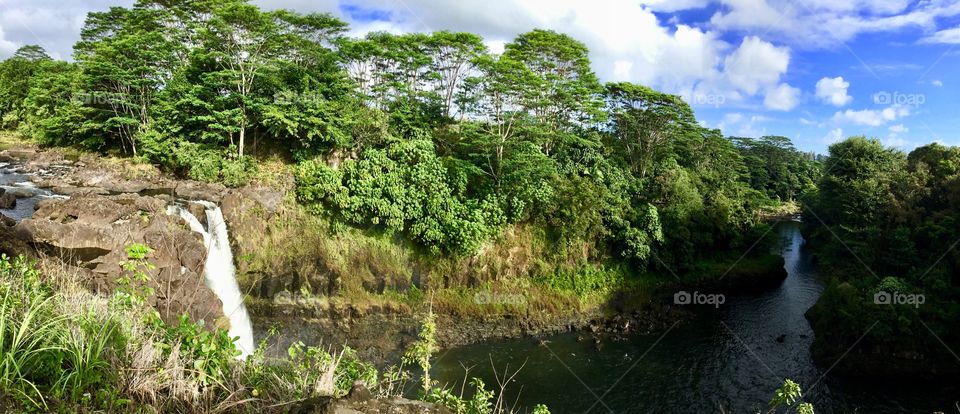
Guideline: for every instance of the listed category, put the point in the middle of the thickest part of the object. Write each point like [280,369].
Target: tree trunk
[243,131]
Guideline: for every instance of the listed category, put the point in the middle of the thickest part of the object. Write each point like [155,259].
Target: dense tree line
[426,135]
[777,168]
[885,221]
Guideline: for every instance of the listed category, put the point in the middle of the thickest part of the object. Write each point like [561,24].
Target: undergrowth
[64,349]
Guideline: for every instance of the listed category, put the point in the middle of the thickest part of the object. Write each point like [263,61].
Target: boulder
[21,193]
[194,190]
[11,244]
[7,221]
[7,200]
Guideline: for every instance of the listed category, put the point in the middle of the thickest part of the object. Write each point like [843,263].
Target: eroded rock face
[92,231]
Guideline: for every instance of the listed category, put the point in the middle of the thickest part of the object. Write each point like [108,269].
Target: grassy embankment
[521,273]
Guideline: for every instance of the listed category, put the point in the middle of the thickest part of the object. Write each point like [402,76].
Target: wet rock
[194,190]
[198,211]
[7,221]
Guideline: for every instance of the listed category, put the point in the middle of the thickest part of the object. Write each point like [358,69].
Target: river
[726,359]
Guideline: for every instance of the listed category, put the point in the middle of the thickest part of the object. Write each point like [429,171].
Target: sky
[815,71]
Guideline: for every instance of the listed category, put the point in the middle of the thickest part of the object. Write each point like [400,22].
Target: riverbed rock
[194,190]
[79,191]
[21,193]
[7,200]
[12,244]
[91,233]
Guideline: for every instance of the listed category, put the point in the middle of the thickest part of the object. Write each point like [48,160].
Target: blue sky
[812,70]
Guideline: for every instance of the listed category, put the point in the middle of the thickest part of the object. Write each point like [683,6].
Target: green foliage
[420,352]
[879,210]
[212,165]
[480,403]
[47,357]
[425,135]
[403,187]
[775,167]
[212,352]
[786,396]
[314,367]
[133,286]
[587,280]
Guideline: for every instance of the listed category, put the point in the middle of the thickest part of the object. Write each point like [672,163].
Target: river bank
[348,287]
[723,359]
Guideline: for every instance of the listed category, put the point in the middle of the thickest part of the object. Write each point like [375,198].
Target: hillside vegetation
[426,136]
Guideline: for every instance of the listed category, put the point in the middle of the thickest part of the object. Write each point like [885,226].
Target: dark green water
[727,359]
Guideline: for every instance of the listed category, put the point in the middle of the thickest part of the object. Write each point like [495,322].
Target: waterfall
[219,273]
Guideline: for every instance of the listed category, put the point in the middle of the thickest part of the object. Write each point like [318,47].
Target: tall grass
[28,332]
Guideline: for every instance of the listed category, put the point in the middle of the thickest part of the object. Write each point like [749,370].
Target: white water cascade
[219,273]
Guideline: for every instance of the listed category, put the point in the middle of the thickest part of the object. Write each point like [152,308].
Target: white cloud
[782,98]
[896,142]
[829,23]
[834,91]
[938,83]
[871,117]
[756,64]
[947,36]
[899,129]
[674,5]
[834,136]
[738,124]
[53,24]
[496,46]
[627,41]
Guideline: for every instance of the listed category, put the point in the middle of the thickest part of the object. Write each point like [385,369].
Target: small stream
[726,359]
[14,181]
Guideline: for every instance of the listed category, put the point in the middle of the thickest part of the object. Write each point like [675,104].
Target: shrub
[213,165]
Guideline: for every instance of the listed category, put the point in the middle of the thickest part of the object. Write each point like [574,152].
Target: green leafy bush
[213,165]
